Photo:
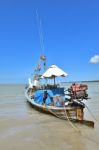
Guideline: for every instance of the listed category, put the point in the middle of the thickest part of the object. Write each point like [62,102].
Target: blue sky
[70,32]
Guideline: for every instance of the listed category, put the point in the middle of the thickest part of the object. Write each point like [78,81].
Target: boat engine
[78,91]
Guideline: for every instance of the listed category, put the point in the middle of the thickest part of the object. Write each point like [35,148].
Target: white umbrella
[53,72]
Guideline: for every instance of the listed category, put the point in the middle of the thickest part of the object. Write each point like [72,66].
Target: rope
[72,125]
[53,113]
[91,114]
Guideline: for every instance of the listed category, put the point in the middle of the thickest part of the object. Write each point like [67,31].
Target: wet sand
[23,128]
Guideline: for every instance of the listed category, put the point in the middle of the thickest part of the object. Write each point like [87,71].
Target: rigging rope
[40,32]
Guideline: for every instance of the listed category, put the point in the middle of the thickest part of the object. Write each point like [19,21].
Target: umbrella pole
[54,81]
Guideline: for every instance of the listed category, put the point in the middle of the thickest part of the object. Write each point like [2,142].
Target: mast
[42,58]
[37,71]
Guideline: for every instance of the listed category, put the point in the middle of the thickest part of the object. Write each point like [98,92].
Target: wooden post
[79,113]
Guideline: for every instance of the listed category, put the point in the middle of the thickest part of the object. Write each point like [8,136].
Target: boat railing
[49,86]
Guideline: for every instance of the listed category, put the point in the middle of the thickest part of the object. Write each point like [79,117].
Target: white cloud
[94,59]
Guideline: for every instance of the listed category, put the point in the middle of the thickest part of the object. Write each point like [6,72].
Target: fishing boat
[54,99]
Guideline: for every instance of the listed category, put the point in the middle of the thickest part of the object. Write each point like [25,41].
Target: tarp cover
[39,95]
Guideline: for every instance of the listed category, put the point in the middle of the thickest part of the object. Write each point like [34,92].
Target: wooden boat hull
[74,114]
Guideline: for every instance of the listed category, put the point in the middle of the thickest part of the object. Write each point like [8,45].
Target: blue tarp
[58,91]
[39,95]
